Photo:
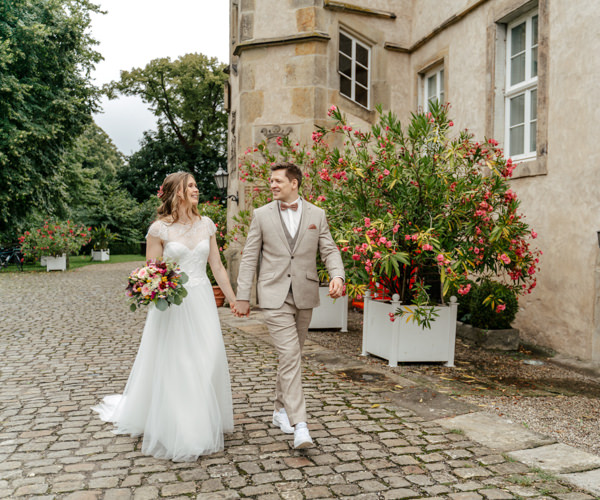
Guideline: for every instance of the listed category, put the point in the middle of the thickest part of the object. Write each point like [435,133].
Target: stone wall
[284,74]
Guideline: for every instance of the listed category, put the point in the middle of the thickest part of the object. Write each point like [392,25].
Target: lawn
[75,262]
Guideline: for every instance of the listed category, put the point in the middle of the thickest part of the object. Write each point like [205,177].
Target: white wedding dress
[178,394]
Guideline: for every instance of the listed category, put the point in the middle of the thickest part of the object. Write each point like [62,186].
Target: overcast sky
[132,33]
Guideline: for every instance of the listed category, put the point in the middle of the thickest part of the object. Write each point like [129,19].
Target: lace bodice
[186,244]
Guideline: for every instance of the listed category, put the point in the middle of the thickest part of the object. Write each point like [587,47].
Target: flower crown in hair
[160,192]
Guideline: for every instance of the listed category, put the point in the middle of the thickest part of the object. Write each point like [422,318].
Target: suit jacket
[267,251]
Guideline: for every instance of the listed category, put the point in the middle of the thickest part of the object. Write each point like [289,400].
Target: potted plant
[218,214]
[102,237]
[54,242]
[423,212]
[418,212]
[487,319]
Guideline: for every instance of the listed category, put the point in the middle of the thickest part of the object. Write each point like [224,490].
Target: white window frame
[526,87]
[439,74]
[354,62]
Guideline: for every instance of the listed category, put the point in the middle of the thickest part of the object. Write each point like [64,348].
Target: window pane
[534,30]
[362,55]
[361,95]
[534,62]
[532,138]
[517,69]
[516,140]
[441,82]
[345,66]
[431,87]
[442,101]
[517,110]
[345,45]
[533,105]
[362,75]
[345,86]
[517,39]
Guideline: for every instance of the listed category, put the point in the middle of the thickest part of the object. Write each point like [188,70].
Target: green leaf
[132,307]
[162,304]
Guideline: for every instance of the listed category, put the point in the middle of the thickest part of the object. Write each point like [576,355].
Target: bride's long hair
[170,206]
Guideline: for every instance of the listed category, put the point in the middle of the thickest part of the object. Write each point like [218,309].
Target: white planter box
[406,341]
[56,263]
[101,255]
[331,313]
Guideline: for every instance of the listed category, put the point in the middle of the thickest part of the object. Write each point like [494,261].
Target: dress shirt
[291,218]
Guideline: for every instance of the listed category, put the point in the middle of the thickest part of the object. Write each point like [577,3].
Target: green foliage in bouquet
[158,282]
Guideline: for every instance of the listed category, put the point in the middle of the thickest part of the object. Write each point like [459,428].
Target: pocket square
[312,226]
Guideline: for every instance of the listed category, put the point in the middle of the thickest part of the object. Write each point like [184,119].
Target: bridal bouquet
[160,282]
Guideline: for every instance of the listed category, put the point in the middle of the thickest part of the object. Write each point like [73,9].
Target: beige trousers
[288,327]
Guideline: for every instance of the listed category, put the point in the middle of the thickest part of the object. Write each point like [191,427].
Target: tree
[46,100]
[160,154]
[96,196]
[187,97]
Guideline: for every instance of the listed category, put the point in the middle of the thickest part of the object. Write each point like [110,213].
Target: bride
[178,394]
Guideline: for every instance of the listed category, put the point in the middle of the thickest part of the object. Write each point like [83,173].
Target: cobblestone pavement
[67,339]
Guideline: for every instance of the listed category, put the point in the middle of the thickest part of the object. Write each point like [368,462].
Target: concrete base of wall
[501,340]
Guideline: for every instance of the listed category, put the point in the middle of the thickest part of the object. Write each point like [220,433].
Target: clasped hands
[241,308]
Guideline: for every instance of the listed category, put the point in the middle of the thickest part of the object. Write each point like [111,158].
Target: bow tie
[291,206]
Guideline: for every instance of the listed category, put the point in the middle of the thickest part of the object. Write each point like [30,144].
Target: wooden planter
[55,263]
[101,255]
[404,341]
[332,313]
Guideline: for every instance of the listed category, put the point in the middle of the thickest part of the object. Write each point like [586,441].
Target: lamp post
[221,176]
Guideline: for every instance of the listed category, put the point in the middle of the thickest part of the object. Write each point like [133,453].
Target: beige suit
[287,288]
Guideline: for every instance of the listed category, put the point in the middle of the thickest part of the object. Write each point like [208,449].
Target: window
[433,87]
[521,87]
[354,69]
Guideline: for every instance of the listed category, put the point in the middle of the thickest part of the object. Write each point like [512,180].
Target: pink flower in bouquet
[159,282]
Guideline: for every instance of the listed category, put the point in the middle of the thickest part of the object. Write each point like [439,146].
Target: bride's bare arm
[154,247]
[219,271]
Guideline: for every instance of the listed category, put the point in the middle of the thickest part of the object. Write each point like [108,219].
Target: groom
[281,247]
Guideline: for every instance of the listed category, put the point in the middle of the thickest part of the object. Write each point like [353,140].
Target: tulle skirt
[178,394]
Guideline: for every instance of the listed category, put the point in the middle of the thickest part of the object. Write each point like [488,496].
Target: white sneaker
[281,420]
[302,437]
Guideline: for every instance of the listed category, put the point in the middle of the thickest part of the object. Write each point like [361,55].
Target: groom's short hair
[292,171]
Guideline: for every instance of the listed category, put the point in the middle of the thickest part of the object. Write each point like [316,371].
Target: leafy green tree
[96,196]
[46,100]
[160,154]
[186,95]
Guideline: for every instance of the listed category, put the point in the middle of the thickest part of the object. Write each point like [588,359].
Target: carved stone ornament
[276,131]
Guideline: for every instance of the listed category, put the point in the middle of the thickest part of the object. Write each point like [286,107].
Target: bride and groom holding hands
[178,394]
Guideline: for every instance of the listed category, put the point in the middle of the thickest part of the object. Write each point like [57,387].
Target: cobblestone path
[67,339]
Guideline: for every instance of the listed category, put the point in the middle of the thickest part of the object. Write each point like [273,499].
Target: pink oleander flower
[500,308]
[504,258]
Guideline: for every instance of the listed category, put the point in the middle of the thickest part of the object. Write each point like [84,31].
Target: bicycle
[11,255]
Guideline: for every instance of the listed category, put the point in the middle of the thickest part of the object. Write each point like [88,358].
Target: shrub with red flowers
[418,211]
[54,239]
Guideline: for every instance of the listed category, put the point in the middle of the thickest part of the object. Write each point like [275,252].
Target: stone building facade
[520,71]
